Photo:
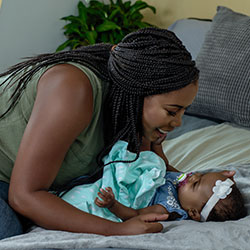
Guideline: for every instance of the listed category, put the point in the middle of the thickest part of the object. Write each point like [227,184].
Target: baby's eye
[194,184]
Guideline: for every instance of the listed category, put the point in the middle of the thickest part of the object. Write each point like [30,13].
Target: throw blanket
[134,184]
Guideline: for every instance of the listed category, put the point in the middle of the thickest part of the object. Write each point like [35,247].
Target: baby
[202,197]
[144,186]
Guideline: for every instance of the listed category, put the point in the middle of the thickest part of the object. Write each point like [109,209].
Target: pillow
[188,29]
[224,64]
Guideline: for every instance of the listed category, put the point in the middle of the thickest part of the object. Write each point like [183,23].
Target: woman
[61,113]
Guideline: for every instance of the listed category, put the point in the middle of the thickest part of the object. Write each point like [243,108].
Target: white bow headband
[220,191]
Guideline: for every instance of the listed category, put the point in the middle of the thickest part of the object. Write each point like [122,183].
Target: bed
[215,135]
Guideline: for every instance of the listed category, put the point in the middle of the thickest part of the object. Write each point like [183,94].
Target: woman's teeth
[162,131]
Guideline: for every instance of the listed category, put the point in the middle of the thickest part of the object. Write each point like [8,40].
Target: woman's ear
[194,214]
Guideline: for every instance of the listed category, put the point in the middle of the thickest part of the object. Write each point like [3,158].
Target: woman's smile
[162,131]
[160,137]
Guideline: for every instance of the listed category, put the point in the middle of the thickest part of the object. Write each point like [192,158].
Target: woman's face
[162,113]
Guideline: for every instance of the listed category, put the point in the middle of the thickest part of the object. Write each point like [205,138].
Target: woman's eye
[172,113]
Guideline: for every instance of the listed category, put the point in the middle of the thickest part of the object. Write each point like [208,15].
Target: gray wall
[30,27]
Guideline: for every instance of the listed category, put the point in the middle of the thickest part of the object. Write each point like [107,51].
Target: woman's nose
[176,122]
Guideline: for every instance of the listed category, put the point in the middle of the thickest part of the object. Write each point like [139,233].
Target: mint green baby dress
[134,184]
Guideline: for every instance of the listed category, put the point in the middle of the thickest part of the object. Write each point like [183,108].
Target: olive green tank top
[81,157]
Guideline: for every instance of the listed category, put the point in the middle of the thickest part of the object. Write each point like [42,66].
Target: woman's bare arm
[62,109]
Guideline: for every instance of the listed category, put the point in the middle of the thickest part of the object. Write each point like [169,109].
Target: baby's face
[195,193]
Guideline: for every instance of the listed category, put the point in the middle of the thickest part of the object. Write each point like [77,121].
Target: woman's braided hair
[146,62]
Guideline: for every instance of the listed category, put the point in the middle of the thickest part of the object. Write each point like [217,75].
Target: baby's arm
[115,207]
[121,211]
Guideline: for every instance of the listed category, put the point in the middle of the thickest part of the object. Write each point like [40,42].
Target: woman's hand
[141,224]
[107,196]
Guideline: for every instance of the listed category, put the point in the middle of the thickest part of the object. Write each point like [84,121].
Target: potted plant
[99,22]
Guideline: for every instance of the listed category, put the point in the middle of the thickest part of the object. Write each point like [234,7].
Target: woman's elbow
[18,199]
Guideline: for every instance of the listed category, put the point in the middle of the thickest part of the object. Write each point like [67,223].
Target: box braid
[147,62]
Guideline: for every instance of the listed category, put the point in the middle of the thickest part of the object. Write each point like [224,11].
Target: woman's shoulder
[66,86]
[66,81]
[65,75]
[78,78]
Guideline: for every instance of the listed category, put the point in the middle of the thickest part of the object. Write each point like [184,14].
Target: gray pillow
[191,32]
[224,64]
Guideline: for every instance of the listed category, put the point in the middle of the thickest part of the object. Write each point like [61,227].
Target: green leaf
[137,16]
[93,4]
[107,25]
[100,22]
[72,19]
[75,44]
[113,13]
[118,37]
[72,29]
[139,5]
[91,36]
[125,21]
[74,26]
[104,37]
[63,46]
[82,14]
[127,5]
[120,3]
[96,13]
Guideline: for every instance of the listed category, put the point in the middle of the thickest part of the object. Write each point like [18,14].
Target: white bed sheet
[210,147]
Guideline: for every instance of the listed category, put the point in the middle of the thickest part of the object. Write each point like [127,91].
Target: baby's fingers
[102,195]
[109,189]
[107,192]
[98,202]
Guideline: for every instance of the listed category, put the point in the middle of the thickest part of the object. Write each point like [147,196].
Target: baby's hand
[107,196]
